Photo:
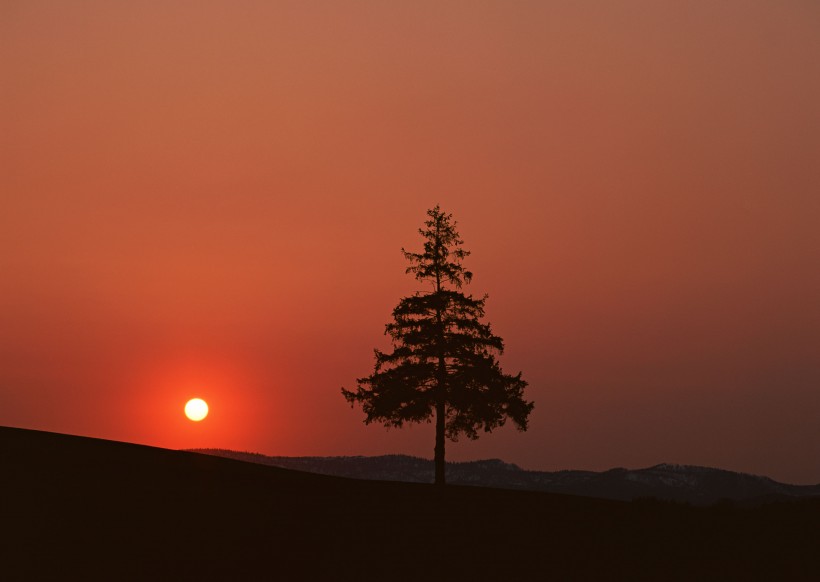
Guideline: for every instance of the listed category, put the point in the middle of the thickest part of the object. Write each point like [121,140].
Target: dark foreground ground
[75,508]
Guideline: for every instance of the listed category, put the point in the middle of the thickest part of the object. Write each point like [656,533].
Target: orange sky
[209,198]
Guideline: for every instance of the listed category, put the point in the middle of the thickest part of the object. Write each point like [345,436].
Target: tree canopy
[443,363]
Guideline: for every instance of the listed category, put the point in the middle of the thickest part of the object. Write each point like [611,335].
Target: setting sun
[196,409]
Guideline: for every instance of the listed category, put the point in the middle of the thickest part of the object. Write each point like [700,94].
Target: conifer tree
[443,364]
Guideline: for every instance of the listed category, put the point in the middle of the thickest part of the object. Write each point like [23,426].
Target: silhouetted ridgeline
[74,508]
[698,485]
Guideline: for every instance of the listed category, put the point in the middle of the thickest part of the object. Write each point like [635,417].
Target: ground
[80,508]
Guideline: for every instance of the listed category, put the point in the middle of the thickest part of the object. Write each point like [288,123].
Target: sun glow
[196,409]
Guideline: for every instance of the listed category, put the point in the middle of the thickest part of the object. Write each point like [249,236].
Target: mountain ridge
[666,481]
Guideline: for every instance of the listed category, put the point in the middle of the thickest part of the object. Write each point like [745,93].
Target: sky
[209,198]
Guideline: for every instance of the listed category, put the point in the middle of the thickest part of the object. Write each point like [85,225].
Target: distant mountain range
[683,483]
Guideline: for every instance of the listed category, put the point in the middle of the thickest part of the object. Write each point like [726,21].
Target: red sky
[209,198]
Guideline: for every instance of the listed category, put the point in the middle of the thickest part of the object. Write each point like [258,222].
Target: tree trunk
[442,376]
[439,450]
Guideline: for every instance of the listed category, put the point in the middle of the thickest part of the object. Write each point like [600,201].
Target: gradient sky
[209,198]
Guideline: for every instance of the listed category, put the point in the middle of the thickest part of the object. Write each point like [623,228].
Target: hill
[89,509]
[691,484]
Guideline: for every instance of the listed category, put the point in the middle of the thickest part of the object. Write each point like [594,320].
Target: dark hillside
[81,508]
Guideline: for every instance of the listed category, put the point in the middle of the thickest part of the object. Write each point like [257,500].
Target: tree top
[442,256]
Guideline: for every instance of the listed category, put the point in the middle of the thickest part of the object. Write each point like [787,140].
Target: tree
[443,364]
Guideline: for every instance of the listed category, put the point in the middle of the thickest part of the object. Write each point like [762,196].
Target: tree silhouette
[443,360]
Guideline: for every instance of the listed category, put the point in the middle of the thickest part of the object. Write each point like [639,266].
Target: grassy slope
[73,507]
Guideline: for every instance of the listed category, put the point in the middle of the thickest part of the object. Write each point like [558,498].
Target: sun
[196,409]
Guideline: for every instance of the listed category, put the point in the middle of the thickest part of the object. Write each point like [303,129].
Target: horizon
[210,201]
[422,458]
[481,460]
[429,459]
